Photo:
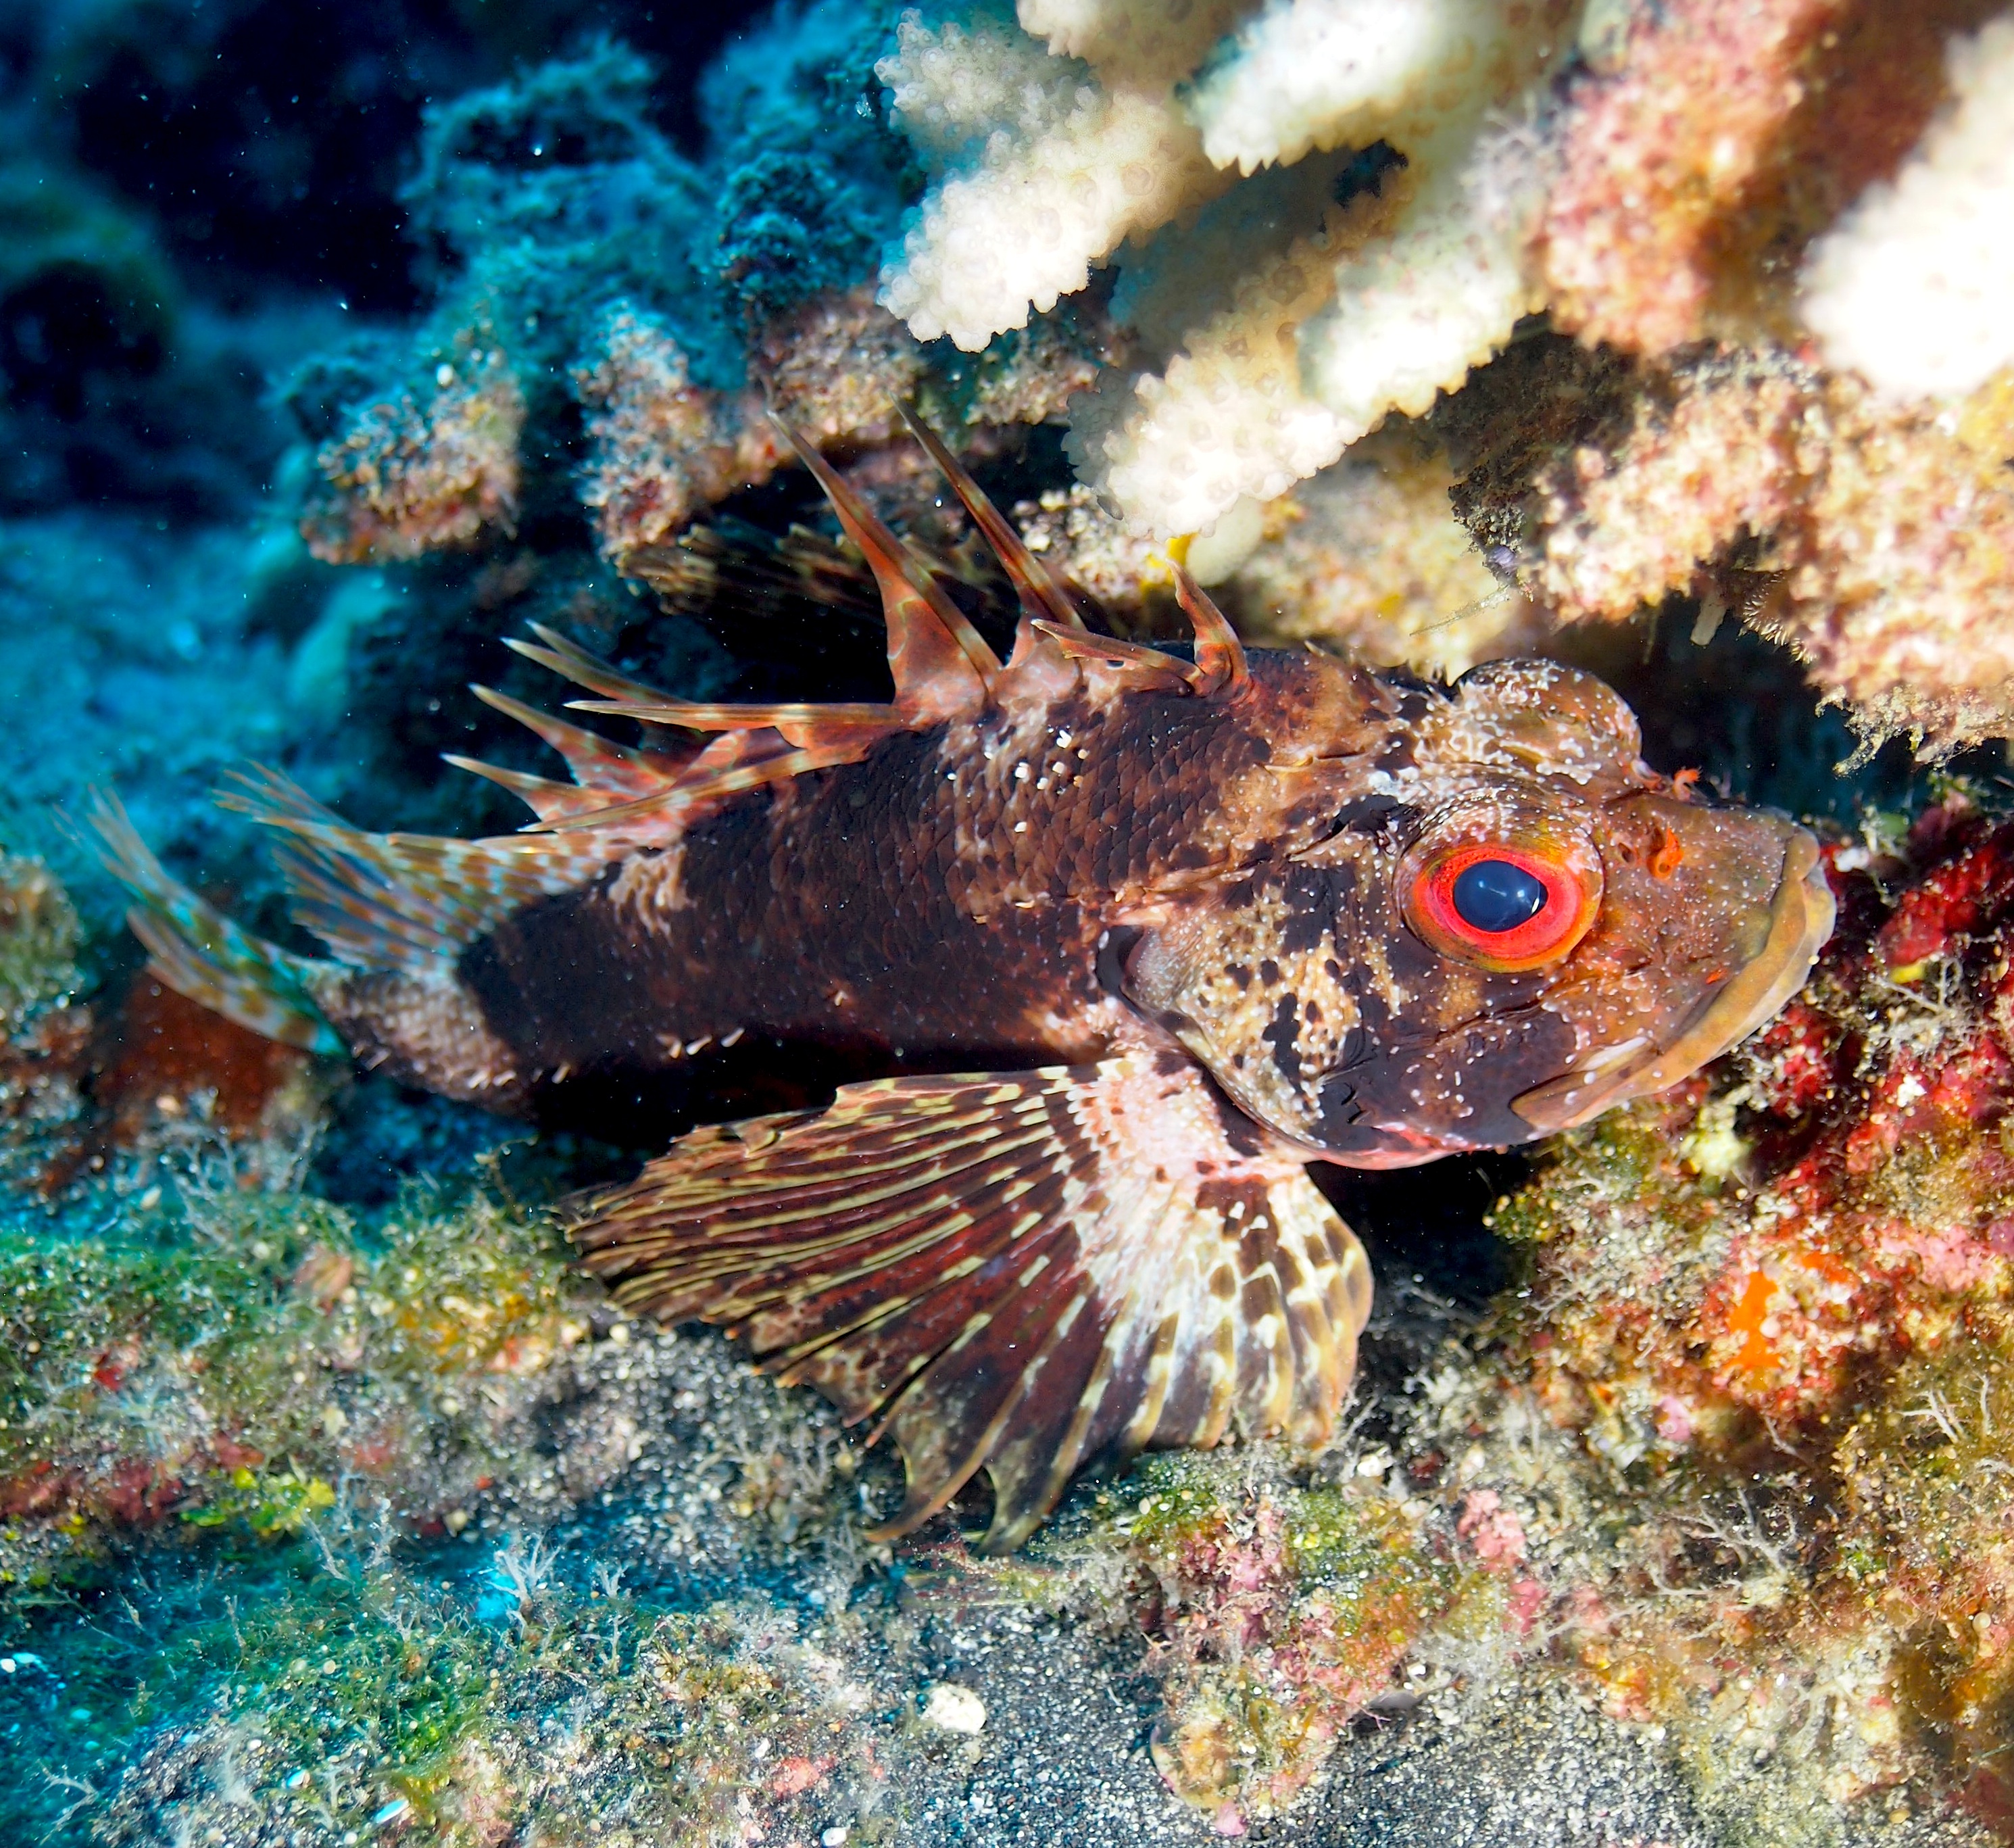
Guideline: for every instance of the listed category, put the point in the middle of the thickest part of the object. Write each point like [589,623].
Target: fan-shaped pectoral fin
[1012,1272]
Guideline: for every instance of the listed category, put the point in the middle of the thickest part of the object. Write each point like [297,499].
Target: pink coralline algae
[1876,540]
[664,448]
[1699,155]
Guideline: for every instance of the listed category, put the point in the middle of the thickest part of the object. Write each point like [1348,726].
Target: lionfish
[1133,934]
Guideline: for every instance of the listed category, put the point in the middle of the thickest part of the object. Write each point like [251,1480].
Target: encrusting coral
[403,479]
[582,260]
[1708,142]
[586,270]
[1875,538]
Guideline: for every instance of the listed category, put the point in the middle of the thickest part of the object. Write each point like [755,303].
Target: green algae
[228,1361]
[339,1689]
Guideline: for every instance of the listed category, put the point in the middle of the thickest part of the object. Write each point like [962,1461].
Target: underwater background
[339,343]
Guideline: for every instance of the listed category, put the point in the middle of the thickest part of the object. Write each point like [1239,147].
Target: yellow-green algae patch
[238,1360]
[361,1695]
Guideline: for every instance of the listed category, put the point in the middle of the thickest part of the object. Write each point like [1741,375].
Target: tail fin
[1012,1272]
[195,949]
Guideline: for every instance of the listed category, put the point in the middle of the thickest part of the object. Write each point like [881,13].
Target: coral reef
[45,1026]
[1331,213]
[252,1351]
[319,1463]
[403,480]
[591,279]
[1774,1307]
[363,1697]
[1281,1614]
[1708,143]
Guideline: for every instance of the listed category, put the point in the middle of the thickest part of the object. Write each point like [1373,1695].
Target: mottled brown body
[1159,931]
[947,897]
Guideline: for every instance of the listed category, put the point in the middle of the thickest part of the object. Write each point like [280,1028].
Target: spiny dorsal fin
[942,666]
[809,726]
[1013,1272]
[595,762]
[1043,598]
[570,662]
[549,800]
[1145,669]
[676,808]
[1220,655]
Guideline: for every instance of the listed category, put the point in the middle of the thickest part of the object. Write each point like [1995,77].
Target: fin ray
[1043,597]
[570,662]
[593,761]
[1219,655]
[942,665]
[403,901]
[1147,668]
[807,726]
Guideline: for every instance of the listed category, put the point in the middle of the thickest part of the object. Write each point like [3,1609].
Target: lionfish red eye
[1504,906]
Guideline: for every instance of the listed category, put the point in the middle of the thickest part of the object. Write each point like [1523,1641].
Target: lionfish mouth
[1800,920]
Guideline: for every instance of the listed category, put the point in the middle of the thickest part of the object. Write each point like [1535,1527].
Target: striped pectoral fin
[1011,1272]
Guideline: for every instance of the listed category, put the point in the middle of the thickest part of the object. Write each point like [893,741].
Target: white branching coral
[1911,289]
[1338,301]
[1409,313]
[1050,161]
[1334,74]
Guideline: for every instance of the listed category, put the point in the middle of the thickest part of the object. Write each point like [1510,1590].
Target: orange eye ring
[1501,905]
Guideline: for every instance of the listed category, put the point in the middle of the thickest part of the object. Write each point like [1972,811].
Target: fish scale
[1131,940]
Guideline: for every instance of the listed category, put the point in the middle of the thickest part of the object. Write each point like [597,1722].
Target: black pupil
[1493,895]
